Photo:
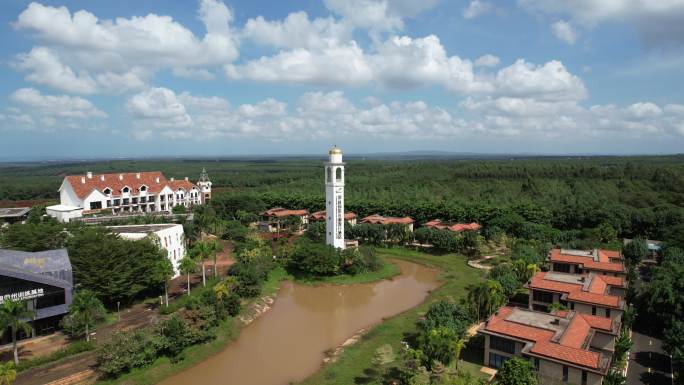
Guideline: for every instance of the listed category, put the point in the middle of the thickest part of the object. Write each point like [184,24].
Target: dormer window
[125,189]
[107,191]
[143,188]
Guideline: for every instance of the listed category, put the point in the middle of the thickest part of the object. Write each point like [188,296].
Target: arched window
[125,189]
[143,188]
[329,174]
[338,174]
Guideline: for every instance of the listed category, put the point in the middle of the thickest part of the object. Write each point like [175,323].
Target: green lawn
[352,367]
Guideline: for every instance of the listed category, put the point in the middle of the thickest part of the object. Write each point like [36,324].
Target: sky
[233,77]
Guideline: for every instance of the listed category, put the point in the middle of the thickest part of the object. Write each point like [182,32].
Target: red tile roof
[456,227]
[588,261]
[184,184]
[154,180]
[566,341]
[596,292]
[320,215]
[379,219]
[280,212]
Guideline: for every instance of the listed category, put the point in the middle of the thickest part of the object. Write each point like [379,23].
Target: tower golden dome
[335,150]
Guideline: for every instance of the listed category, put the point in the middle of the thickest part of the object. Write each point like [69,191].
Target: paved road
[648,363]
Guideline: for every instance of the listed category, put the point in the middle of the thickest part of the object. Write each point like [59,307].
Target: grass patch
[353,364]
[71,349]
[388,270]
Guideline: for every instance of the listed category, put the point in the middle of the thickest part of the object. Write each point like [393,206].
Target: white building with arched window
[127,193]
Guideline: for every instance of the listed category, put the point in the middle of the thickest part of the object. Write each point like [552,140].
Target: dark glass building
[43,279]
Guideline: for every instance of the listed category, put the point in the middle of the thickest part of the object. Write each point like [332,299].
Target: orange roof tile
[280,212]
[379,219]
[595,293]
[320,215]
[456,227]
[571,347]
[587,262]
[155,181]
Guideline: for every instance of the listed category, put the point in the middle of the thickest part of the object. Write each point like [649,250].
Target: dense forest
[634,195]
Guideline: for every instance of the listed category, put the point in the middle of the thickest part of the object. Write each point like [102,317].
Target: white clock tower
[334,197]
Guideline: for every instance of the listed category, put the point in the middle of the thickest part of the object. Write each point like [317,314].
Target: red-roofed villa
[594,294]
[565,347]
[122,193]
[438,224]
[377,219]
[318,216]
[604,262]
[280,219]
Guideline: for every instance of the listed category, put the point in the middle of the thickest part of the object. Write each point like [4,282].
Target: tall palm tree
[87,309]
[202,251]
[460,344]
[8,373]
[15,315]
[187,266]
[164,272]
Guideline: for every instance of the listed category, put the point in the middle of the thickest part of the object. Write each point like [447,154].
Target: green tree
[86,309]
[517,371]
[225,288]
[485,297]
[14,315]
[673,340]
[438,345]
[636,250]
[187,267]
[33,236]
[447,314]
[203,250]
[314,259]
[8,373]
[114,269]
[164,272]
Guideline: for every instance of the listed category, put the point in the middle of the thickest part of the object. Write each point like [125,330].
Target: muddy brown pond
[288,343]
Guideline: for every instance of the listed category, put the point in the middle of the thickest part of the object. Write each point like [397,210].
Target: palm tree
[164,272]
[14,315]
[187,266]
[8,373]
[460,344]
[87,309]
[201,251]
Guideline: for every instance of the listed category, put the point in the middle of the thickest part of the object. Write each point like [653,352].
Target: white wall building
[169,237]
[334,196]
[127,193]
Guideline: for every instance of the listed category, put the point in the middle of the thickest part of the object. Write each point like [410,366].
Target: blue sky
[131,78]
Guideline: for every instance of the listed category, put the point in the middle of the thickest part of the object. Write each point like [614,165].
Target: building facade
[319,216]
[438,224]
[592,293]
[599,261]
[566,347]
[377,219]
[334,199]
[278,220]
[127,193]
[44,280]
[169,237]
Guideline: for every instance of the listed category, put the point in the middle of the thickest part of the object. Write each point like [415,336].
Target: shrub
[447,314]
[127,350]
[517,371]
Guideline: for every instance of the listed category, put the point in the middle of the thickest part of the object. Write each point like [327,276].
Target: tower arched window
[338,174]
[329,174]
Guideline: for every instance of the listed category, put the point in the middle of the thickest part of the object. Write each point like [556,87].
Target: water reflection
[287,344]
